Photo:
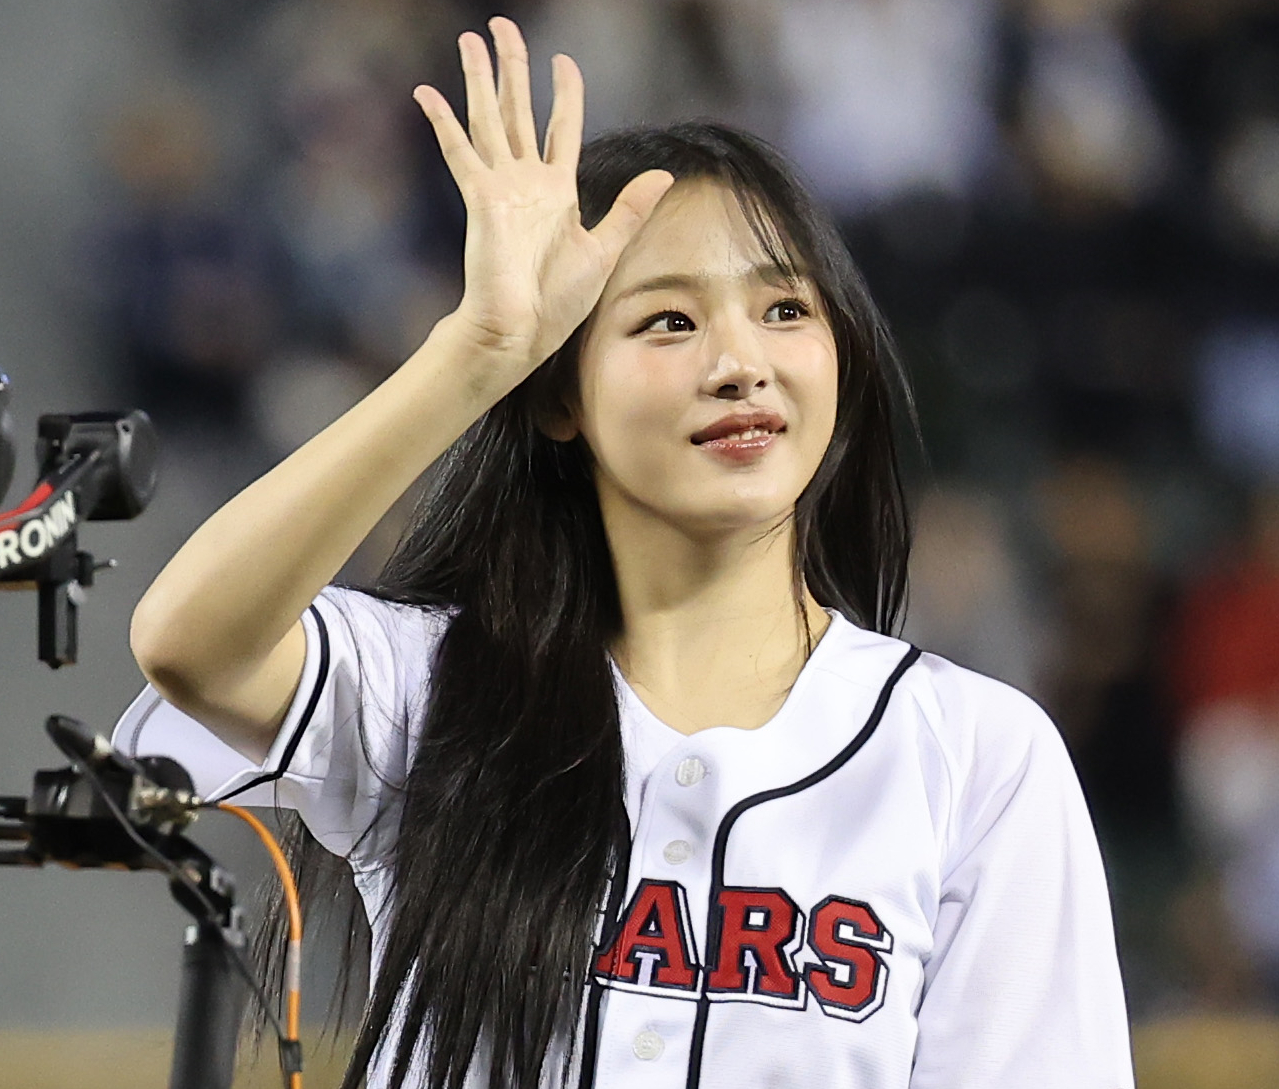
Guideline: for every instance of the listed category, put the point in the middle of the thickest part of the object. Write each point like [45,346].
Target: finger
[484,119]
[631,209]
[460,157]
[564,129]
[514,98]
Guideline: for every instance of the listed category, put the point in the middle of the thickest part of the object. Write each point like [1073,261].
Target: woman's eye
[669,321]
[787,310]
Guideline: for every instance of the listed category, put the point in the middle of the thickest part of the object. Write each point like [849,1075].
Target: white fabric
[959,823]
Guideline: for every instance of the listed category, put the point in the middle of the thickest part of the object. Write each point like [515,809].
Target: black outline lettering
[865,946]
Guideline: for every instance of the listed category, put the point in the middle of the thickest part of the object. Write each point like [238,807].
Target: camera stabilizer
[106,809]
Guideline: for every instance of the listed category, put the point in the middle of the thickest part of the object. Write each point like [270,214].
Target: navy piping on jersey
[726,827]
[612,920]
[131,746]
[313,701]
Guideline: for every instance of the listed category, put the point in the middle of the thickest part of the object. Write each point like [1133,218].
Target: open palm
[533,272]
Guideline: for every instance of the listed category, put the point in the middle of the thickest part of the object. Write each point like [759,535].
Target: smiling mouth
[741,429]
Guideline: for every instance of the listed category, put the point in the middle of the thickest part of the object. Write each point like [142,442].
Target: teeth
[746,436]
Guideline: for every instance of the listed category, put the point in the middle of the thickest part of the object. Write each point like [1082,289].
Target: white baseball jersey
[893,883]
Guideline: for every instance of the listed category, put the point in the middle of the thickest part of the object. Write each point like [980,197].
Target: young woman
[636,787]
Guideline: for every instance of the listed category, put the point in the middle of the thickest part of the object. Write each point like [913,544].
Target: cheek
[628,387]
[626,406]
[821,394]
[830,407]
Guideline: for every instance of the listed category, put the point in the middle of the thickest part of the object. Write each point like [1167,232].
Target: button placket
[688,772]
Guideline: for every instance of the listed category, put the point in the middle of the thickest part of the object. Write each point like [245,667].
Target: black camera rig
[107,809]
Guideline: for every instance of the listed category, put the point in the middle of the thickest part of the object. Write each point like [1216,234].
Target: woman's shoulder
[379,651]
[969,716]
[375,622]
[994,742]
[985,753]
[958,701]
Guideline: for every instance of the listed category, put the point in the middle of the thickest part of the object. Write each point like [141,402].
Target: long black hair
[512,816]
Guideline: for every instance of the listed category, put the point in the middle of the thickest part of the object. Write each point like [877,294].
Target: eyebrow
[768,271]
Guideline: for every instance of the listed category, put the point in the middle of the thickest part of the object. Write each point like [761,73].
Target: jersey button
[677,851]
[690,771]
[648,1046]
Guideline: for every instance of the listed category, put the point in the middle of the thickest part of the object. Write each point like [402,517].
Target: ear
[553,393]
[556,420]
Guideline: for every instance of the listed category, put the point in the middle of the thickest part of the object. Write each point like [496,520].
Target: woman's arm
[1022,985]
[218,632]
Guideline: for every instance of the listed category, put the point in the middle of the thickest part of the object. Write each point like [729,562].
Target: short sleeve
[348,737]
[1022,988]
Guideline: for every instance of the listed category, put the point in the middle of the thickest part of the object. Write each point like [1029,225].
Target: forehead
[698,230]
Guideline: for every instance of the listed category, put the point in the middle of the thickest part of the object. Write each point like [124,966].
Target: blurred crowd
[1069,210]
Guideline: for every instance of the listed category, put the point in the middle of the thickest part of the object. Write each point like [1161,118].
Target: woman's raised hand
[218,631]
[533,272]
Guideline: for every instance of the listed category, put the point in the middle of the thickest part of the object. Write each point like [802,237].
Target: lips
[738,424]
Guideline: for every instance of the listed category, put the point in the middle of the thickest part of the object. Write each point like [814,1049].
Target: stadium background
[232,215]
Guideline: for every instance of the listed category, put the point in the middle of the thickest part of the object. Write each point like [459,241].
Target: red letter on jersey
[848,937]
[762,921]
[653,946]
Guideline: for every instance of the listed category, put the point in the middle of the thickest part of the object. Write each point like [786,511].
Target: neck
[712,633]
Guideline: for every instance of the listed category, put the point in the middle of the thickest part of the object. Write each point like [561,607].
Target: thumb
[631,209]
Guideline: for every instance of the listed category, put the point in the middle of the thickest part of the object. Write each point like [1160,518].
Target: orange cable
[293,959]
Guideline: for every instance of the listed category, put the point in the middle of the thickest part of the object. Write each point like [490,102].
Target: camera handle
[210,1006]
[213,991]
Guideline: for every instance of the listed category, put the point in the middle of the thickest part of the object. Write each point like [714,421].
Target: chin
[701,508]
[736,517]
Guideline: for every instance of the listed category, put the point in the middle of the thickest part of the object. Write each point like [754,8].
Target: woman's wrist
[490,363]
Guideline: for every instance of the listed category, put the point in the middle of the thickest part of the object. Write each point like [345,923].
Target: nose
[739,368]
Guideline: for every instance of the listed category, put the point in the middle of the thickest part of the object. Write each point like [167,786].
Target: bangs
[768,224]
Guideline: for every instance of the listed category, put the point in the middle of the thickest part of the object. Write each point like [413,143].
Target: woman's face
[707,381]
